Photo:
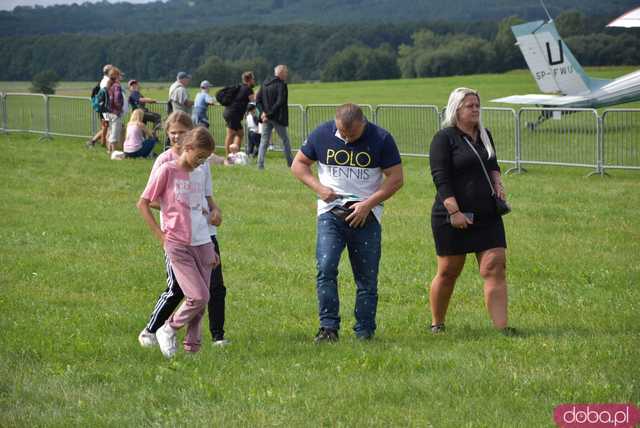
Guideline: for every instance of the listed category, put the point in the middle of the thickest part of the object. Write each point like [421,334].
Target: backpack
[169,106]
[100,99]
[227,95]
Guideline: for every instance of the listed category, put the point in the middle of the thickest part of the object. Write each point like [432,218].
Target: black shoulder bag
[502,207]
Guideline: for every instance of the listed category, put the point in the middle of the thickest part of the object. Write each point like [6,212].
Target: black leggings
[169,300]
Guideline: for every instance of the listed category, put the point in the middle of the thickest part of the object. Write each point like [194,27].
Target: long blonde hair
[451,115]
[137,116]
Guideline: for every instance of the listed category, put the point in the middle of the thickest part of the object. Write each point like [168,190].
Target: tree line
[179,15]
[328,53]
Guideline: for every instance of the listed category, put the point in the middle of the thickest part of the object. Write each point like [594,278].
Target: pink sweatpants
[192,267]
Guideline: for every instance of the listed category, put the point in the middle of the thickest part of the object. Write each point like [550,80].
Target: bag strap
[486,174]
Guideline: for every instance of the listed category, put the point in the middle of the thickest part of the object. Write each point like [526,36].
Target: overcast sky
[10,4]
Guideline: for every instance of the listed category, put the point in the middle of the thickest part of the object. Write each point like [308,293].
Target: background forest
[144,40]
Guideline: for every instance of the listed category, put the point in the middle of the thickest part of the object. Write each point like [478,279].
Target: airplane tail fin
[549,59]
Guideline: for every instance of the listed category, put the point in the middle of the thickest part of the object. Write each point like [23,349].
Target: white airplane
[558,73]
[630,19]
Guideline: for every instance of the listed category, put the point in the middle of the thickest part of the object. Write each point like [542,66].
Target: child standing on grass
[179,185]
[176,127]
[201,105]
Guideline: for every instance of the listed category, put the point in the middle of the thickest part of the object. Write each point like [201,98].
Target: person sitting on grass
[139,142]
[236,157]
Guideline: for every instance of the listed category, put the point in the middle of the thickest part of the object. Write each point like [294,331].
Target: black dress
[234,112]
[456,172]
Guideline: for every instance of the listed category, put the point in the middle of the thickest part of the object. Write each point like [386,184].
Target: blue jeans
[145,150]
[364,249]
[266,136]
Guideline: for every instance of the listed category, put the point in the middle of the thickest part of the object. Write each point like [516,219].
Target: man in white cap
[178,95]
[201,105]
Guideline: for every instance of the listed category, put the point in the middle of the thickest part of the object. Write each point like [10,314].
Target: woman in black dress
[464,218]
[234,113]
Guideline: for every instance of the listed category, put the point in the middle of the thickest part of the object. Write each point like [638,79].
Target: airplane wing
[543,100]
[630,19]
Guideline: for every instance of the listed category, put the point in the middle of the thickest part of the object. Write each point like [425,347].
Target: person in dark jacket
[272,101]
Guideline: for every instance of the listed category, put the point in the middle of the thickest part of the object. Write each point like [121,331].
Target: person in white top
[253,125]
[177,126]
[101,135]
[179,185]
[178,94]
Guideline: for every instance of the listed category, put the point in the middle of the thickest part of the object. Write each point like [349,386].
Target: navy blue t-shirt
[351,169]
[134,100]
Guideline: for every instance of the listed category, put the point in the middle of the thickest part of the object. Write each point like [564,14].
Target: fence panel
[552,136]
[70,116]
[26,112]
[570,137]
[161,109]
[501,122]
[412,126]
[217,125]
[3,113]
[621,138]
[320,113]
[296,129]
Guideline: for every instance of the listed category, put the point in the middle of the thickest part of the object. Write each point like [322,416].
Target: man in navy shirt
[359,167]
[137,100]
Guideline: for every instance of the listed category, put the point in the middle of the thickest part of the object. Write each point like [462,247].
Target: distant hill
[194,15]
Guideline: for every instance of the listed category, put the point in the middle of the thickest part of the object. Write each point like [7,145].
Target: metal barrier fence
[297,122]
[69,116]
[502,124]
[412,126]
[547,136]
[621,139]
[319,113]
[3,113]
[26,113]
[566,137]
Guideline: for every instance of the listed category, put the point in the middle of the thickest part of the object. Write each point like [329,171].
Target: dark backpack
[100,99]
[227,95]
[169,106]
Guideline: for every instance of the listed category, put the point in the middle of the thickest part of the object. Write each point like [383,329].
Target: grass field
[80,272]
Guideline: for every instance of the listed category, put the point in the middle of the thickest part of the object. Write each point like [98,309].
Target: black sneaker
[327,335]
[365,335]
[437,328]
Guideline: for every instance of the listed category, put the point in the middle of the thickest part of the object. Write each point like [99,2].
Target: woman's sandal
[437,328]
[509,331]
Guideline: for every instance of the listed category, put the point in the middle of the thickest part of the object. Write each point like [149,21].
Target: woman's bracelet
[455,212]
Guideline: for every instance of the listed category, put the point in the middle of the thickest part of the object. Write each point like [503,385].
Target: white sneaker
[166,337]
[221,343]
[147,339]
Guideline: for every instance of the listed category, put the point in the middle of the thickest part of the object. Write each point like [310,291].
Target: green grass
[80,272]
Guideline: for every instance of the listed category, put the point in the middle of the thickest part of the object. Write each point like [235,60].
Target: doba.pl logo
[596,415]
